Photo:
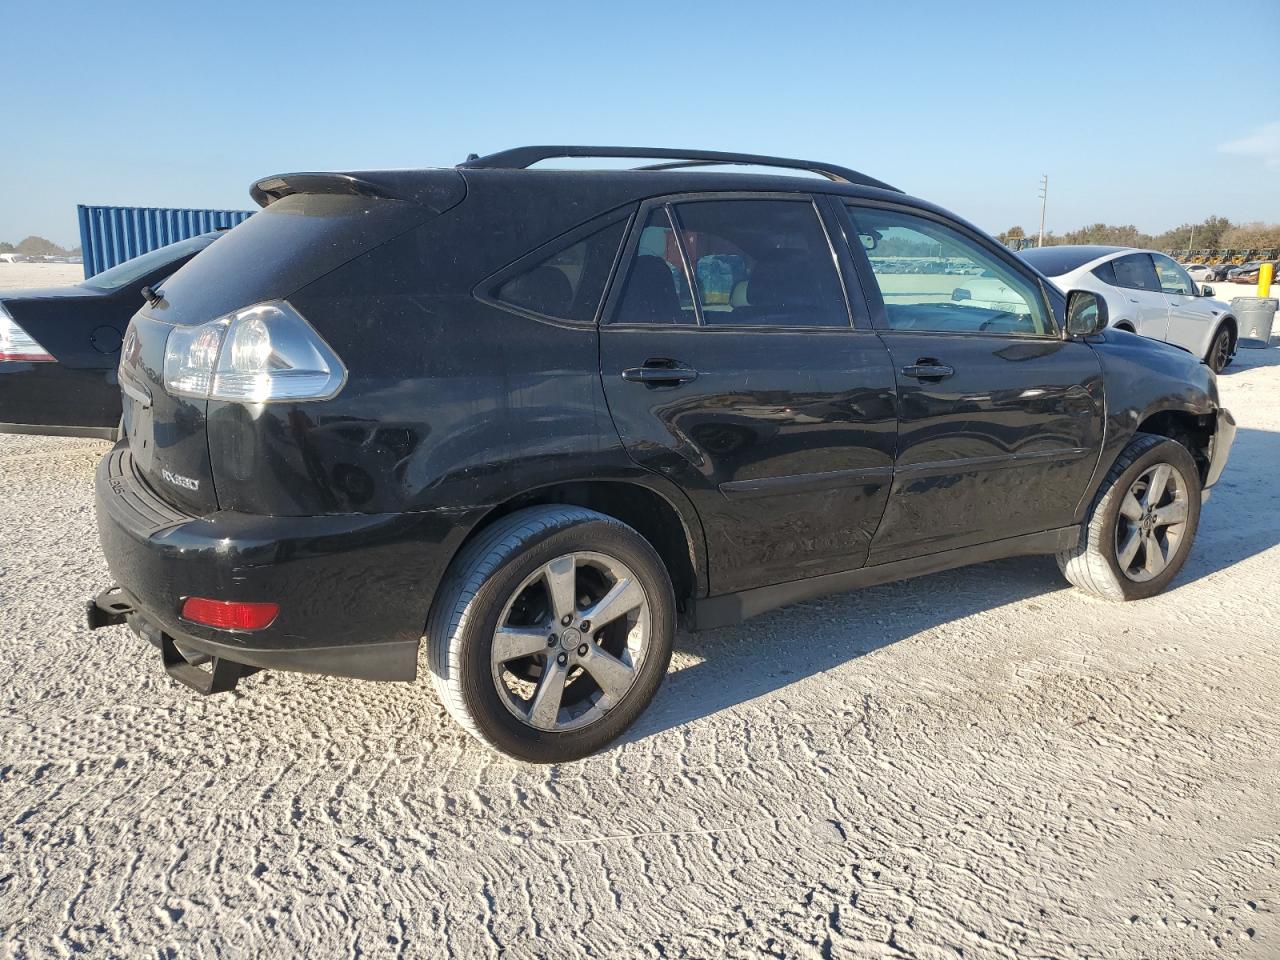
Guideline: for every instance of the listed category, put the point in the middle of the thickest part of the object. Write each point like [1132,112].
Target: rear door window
[1136,272]
[656,289]
[568,283]
[762,262]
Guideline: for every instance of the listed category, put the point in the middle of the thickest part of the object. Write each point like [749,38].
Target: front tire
[1141,525]
[1219,356]
[551,633]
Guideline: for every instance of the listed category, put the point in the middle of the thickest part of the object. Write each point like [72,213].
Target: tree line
[38,247]
[1212,233]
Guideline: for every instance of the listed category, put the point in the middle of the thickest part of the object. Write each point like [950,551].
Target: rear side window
[1136,272]
[568,284]
[762,263]
[656,289]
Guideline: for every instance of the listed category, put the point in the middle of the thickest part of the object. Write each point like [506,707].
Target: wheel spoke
[625,595]
[1129,549]
[545,707]
[612,674]
[512,643]
[1159,484]
[1130,508]
[1175,512]
[1155,559]
[562,586]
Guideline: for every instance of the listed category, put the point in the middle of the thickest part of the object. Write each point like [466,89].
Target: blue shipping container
[111,235]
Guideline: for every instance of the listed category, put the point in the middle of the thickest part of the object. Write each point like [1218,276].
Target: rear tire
[1140,527]
[550,685]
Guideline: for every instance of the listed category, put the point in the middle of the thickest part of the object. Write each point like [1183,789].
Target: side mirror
[1086,314]
[1206,290]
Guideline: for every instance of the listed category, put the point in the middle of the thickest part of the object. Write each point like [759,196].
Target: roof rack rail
[520,158]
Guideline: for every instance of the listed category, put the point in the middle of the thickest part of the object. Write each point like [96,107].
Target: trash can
[1255,316]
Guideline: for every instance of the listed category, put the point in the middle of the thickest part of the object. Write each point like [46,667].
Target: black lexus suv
[506,427]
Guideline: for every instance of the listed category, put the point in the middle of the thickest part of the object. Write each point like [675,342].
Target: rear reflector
[17,344]
[227,615]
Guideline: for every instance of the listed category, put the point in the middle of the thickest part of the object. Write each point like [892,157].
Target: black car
[1217,272]
[505,408]
[60,346]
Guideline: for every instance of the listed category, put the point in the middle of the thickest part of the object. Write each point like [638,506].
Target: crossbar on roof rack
[520,158]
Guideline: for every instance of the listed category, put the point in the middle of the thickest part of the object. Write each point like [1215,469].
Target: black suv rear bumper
[353,590]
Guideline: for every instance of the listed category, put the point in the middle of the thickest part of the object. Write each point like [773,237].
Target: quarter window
[762,263]
[568,284]
[932,277]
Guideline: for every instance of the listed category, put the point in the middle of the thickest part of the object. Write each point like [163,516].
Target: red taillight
[229,615]
[17,344]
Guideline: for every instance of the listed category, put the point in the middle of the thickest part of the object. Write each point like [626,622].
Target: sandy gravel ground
[982,763]
[14,276]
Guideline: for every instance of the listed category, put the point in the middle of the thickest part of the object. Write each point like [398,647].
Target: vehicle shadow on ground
[1247,358]
[768,653]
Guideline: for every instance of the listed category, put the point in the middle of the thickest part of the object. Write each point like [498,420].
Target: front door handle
[657,372]
[926,368]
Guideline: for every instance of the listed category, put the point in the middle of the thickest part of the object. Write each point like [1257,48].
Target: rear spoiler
[436,190]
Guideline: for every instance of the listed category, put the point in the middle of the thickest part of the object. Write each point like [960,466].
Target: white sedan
[1147,293]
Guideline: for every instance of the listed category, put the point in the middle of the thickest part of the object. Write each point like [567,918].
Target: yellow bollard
[1264,279]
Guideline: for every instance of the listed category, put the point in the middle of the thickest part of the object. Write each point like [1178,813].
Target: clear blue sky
[1139,112]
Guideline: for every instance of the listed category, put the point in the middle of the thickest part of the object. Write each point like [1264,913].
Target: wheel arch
[1194,431]
[673,531]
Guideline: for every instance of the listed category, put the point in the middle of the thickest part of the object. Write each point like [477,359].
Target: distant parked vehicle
[1250,274]
[1197,271]
[13,258]
[1217,272]
[1247,272]
[1147,293]
[59,347]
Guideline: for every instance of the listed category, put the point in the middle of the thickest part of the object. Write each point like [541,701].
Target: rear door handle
[928,369]
[656,372]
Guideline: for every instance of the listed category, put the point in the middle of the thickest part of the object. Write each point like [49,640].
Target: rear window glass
[567,284]
[1055,261]
[282,248]
[131,271]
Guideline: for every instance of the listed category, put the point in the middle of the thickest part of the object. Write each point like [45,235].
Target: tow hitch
[115,606]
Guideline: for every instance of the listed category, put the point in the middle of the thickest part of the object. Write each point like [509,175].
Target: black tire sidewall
[481,698]
[1222,334]
[1177,456]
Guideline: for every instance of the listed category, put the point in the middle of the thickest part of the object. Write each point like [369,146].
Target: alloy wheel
[570,641]
[1152,522]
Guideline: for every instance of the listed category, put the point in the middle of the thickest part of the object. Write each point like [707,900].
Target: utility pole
[1192,242]
[1044,199]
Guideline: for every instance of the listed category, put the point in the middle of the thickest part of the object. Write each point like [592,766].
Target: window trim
[486,291]
[671,202]
[871,287]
